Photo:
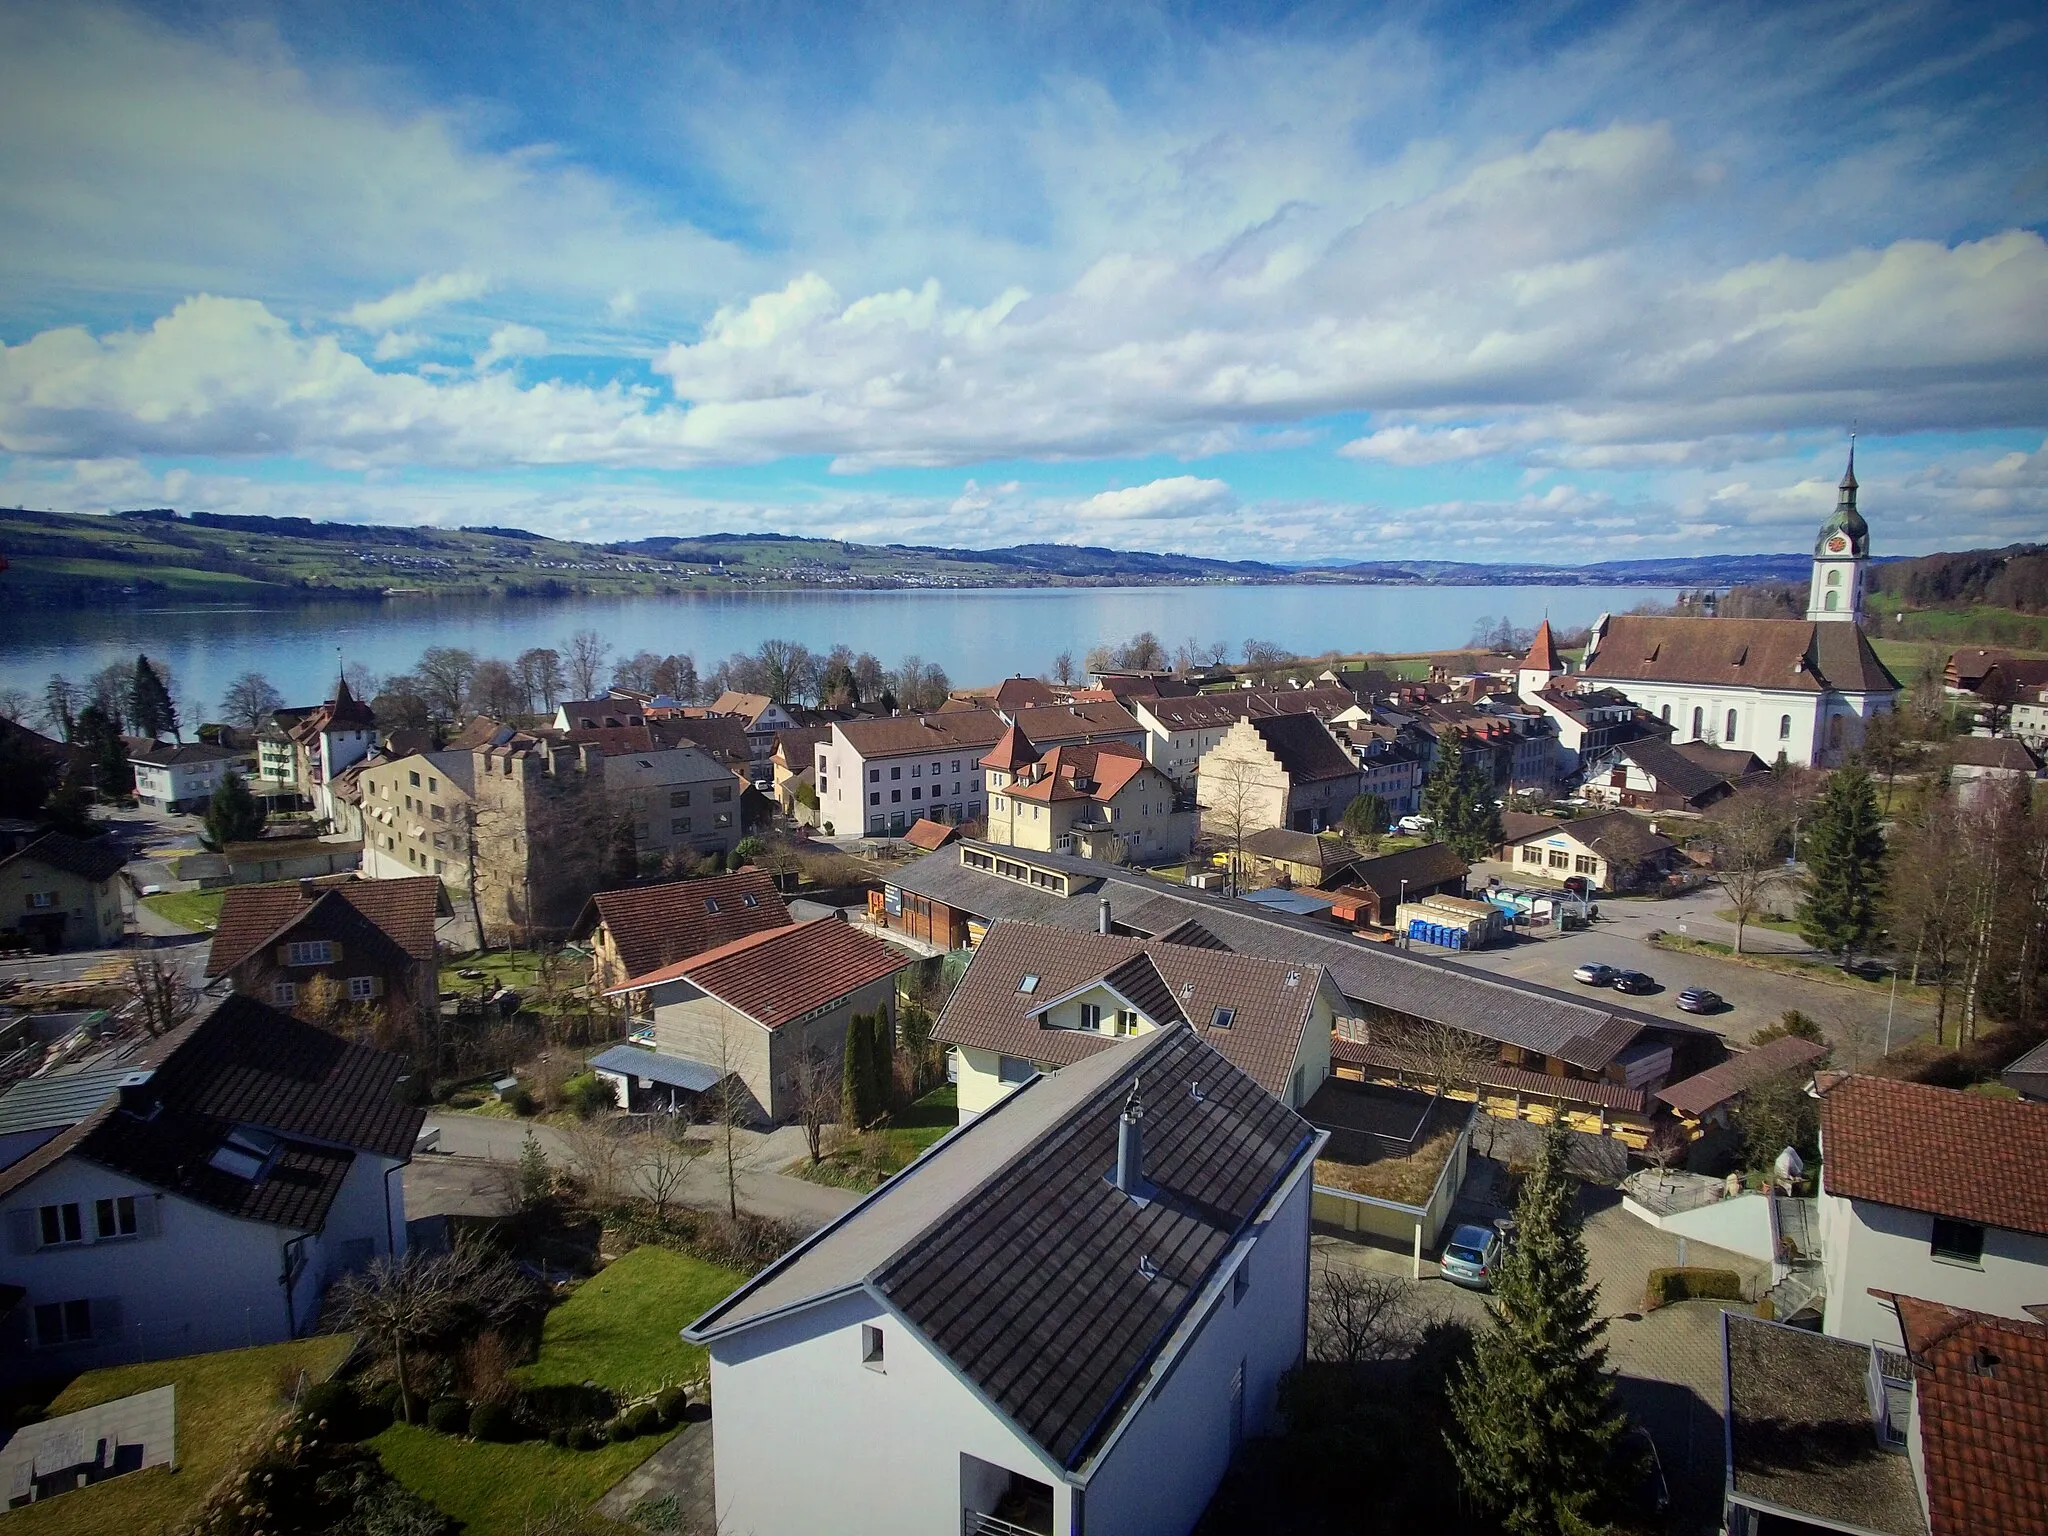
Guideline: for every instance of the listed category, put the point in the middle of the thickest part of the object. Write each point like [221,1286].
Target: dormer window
[245,1154]
[751,900]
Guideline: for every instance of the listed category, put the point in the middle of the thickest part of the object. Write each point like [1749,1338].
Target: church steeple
[1840,555]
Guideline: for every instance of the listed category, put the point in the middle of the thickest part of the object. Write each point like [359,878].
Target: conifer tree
[149,702]
[857,1081]
[1535,1411]
[100,734]
[1458,800]
[232,815]
[881,1061]
[1845,874]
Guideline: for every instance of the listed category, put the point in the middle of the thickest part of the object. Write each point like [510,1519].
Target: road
[1852,1014]
[467,1175]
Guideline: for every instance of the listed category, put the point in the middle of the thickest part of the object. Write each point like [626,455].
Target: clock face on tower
[1837,544]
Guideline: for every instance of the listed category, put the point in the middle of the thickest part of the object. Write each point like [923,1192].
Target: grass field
[618,1330]
[223,1399]
[907,1136]
[196,910]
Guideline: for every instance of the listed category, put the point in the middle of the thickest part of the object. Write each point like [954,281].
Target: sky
[1323,283]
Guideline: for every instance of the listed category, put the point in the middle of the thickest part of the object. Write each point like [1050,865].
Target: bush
[1690,1284]
[621,1430]
[558,1438]
[644,1419]
[587,1095]
[669,1403]
[337,1410]
[585,1437]
[520,1099]
[565,1406]
[448,1416]
[494,1421]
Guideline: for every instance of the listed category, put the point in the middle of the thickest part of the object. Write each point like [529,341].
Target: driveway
[1852,1014]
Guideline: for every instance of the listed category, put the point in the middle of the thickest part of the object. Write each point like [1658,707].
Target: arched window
[1834,578]
[1784,727]
[1729,734]
[1834,601]
[1699,720]
[1666,713]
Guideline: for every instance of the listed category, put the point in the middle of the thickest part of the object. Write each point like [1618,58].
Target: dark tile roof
[2007,752]
[1585,1034]
[1707,1090]
[1304,747]
[1982,1389]
[1206,711]
[166,754]
[1953,1154]
[1192,934]
[784,973]
[401,912]
[980,729]
[1424,868]
[989,1009]
[1494,1074]
[1679,770]
[1795,655]
[97,860]
[657,925]
[723,737]
[1324,853]
[1617,836]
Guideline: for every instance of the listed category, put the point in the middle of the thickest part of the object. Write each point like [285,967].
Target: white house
[334,737]
[1066,1316]
[1933,1193]
[197,1193]
[1801,689]
[182,776]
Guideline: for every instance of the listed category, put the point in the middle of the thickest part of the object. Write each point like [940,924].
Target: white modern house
[1064,1318]
[182,776]
[198,1193]
[1932,1193]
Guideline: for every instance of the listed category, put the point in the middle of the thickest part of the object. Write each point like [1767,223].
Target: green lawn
[1762,920]
[196,910]
[907,1136]
[619,1330]
[223,1399]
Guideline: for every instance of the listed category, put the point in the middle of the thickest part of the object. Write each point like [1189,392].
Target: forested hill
[2015,577]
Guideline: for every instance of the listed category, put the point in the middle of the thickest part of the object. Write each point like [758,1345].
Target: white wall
[1160,1473]
[811,1441]
[1865,1245]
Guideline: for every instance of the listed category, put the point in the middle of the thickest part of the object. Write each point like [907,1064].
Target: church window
[1699,720]
[1784,727]
[1666,714]
[1834,578]
[1729,734]
[1835,731]
[1834,601]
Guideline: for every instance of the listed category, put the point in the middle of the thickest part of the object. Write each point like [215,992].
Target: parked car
[1472,1255]
[1594,974]
[1701,1000]
[1635,983]
[1415,826]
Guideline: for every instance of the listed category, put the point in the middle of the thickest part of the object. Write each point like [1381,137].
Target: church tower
[1840,555]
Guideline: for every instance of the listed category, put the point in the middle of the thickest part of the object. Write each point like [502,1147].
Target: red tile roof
[1704,1091]
[657,925]
[1982,1384]
[1059,775]
[1542,655]
[785,973]
[929,835]
[1012,752]
[1959,1155]
[251,916]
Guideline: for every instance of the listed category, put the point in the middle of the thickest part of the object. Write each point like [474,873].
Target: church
[1797,689]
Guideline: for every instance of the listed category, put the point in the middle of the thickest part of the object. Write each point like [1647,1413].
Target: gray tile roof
[1009,1249]
[1514,1012]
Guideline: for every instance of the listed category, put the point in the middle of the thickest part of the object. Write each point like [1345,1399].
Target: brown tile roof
[2007,752]
[1304,747]
[1204,711]
[1023,693]
[597,714]
[724,738]
[747,706]
[989,1011]
[1616,836]
[1952,1154]
[1013,751]
[1430,865]
[797,747]
[964,730]
[1542,655]
[1707,1090]
[1495,1074]
[252,916]
[1982,1389]
[97,860]
[657,925]
[781,975]
[928,834]
[1692,770]
[1793,655]
[1325,853]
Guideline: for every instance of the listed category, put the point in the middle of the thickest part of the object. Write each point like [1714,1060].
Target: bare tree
[1232,798]
[250,700]
[1442,1053]
[584,655]
[362,681]
[62,700]
[1063,668]
[1747,831]
[496,690]
[1262,658]
[815,1084]
[1357,1316]
[1928,895]
[446,672]
[664,1159]
[601,1156]
[729,1106]
[15,704]
[164,999]
[539,671]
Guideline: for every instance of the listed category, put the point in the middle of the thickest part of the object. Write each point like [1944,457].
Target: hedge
[1690,1284]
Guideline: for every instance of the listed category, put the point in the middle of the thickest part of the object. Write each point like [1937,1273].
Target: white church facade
[1798,689]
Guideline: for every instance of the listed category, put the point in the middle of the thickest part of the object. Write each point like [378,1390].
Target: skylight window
[751,899]
[711,904]
[1028,985]
[1223,1018]
[245,1153]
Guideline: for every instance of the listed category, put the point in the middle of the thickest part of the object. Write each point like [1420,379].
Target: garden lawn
[504,1490]
[223,1399]
[619,1328]
[902,1140]
[196,910]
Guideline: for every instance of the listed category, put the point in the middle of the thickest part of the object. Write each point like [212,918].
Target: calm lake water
[978,637]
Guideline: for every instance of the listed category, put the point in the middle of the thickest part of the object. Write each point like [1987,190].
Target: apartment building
[1102,801]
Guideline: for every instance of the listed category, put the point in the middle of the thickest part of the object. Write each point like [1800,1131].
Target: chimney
[1102,915]
[307,890]
[1130,1147]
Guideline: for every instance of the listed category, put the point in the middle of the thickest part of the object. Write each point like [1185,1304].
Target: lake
[977,636]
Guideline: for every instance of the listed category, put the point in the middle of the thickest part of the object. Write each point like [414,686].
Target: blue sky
[1468,282]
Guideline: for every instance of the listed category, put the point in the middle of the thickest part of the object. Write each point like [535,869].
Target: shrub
[669,1403]
[565,1406]
[448,1416]
[643,1419]
[621,1430]
[1690,1284]
[585,1437]
[337,1410]
[493,1421]
[521,1100]
[558,1438]
[587,1095]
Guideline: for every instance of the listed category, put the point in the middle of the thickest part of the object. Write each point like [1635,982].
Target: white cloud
[513,341]
[395,346]
[416,299]
[1179,496]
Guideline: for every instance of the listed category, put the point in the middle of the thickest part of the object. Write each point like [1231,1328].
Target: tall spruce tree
[1535,1409]
[1845,866]
[881,1061]
[857,1078]
[1458,800]
[232,815]
[100,734]
[149,702]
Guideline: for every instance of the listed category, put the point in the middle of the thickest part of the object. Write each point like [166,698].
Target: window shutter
[23,1235]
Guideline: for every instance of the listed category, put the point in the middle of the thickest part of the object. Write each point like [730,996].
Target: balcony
[975,1523]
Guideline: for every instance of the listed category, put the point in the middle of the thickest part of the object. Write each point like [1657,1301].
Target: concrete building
[1101,801]
[61,892]
[196,1192]
[182,776]
[758,1006]
[1933,1193]
[1135,1303]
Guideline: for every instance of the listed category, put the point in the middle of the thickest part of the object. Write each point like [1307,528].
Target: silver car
[1472,1256]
